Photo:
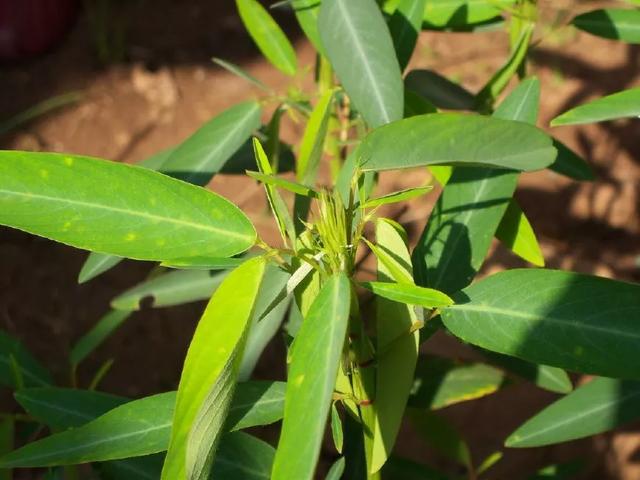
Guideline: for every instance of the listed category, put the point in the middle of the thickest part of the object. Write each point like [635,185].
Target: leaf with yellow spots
[105,207]
[210,373]
[312,378]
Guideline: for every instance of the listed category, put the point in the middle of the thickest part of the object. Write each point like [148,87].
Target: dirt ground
[168,86]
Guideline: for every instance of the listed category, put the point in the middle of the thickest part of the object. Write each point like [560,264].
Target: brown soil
[168,87]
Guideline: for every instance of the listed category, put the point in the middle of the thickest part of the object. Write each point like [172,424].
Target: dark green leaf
[614,23]
[16,360]
[563,319]
[166,219]
[368,69]
[440,91]
[405,25]
[570,163]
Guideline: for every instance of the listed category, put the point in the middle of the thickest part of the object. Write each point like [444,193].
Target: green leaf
[209,373]
[307,12]
[405,25]
[563,471]
[136,428]
[516,233]
[460,13]
[614,23]
[166,219]
[470,210]
[62,408]
[270,179]
[543,376]
[395,197]
[139,468]
[619,105]
[205,263]
[414,104]
[269,37]
[98,334]
[96,264]
[312,376]
[368,68]
[15,358]
[441,382]
[440,91]
[243,457]
[556,318]
[240,72]
[38,110]
[204,153]
[313,140]
[171,288]
[599,406]
[458,140]
[442,436]
[336,470]
[336,428]
[409,294]
[397,347]
[570,163]
[277,204]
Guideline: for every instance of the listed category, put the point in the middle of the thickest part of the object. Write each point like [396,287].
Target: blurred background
[123,79]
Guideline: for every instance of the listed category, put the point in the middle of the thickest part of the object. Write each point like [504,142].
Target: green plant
[359,367]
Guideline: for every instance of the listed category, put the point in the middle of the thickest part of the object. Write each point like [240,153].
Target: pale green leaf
[618,105]
[313,140]
[456,139]
[599,406]
[96,264]
[336,429]
[556,318]
[461,13]
[171,288]
[269,37]
[516,233]
[311,379]
[209,373]
[368,68]
[102,212]
[615,23]
[336,470]
[409,294]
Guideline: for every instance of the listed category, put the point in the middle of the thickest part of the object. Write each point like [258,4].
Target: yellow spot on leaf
[44,173]
[298,380]
[66,226]
[161,242]
[130,237]
[68,161]
[153,201]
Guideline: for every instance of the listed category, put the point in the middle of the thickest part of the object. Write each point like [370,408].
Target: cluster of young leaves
[364,375]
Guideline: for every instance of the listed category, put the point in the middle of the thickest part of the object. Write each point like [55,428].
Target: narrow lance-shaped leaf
[405,25]
[516,233]
[313,140]
[440,91]
[568,320]
[615,23]
[294,187]
[166,219]
[269,37]
[368,68]
[136,428]
[171,288]
[395,197]
[462,13]
[239,72]
[98,334]
[618,105]
[17,361]
[410,294]
[307,12]
[203,154]
[96,264]
[397,348]
[312,376]
[209,374]
[456,139]
[601,405]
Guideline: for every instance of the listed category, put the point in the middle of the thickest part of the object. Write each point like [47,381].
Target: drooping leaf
[409,294]
[470,210]
[136,428]
[313,140]
[543,376]
[307,12]
[395,197]
[556,318]
[171,288]
[203,154]
[294,187]
[269,37]
[96,264]
[462,13]
[209,373]
[615,23]
[312,376]
[405,25]
[456,139]
[16,360]
[368,69]
[397,348]
[440,91]
[441,382]
[240,72]
[618,105]
[166,219]
[570,164]
[601,405]
[62,408]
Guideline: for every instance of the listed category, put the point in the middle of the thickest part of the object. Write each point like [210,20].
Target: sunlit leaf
[618,105]
[615,23]
[395,197]
[409,294]
[313,140]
